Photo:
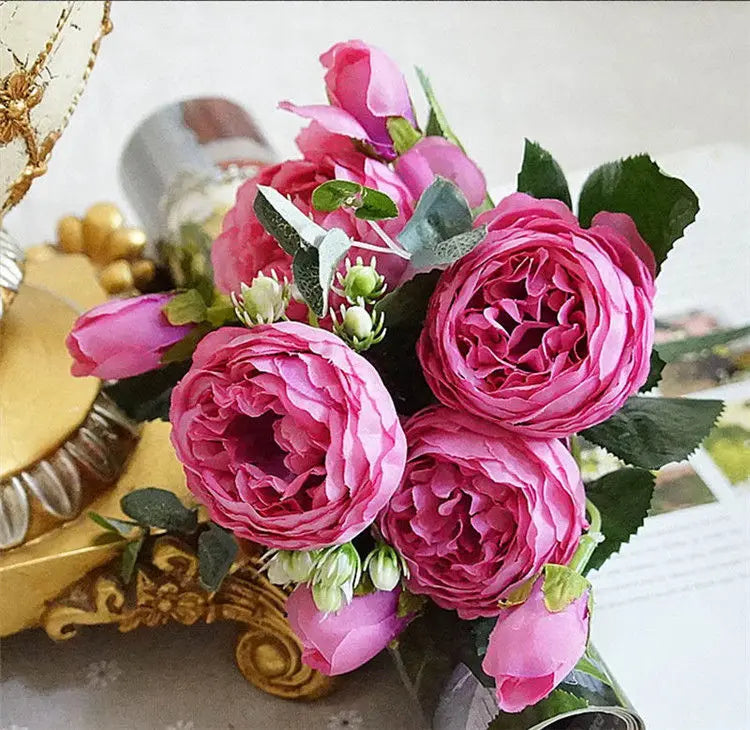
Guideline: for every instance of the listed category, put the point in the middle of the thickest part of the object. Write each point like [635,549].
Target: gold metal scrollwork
[167,589]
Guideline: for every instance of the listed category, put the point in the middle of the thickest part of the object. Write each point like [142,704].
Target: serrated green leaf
[441,213]
[561,586]
[284,221]
[671,351]
[623,498]
[403,135]
[654,374]
[652,432]
[129,559]
[184,349]
[541,176]
[375,206]
[159,508]
[334,194]
[558,702]
[661,206]
[438,254]
[111,524]
[437,124]
[217,550]
[146,397]
[185,308]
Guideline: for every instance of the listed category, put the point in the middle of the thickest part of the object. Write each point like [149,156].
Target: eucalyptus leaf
[185,308]
[440,253]
[306,271]
[437,124]
[403,135]
[284,221]
[623,498]
[671,351]
[159,508]
[541,176]
[441,213]
[111,524]
[661,206]
[652,432]
[654,374]
[217,550]
[129,558]
[331,251]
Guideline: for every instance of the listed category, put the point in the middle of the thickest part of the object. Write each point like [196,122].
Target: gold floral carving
[167,589]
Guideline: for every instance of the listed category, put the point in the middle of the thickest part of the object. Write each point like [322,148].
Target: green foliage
[654,374]
[671,351]
[367,203]
[159,508]
[146,397]
[541,176]
[561,586]
[129,558]
[480,629]
[652,432]
[661,206]
[440,253]
[437,124]
[217,550]
[111,524]
[409,603]
[285,222]
[186,308]
[189,259]
[403,135]
[623,498]
[184,349]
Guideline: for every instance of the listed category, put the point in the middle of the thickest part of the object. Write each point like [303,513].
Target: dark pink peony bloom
[287,436]
[123,337]
[364,87]
[480,510]
[433,156]
[531,649]
[545,328]
[340,642]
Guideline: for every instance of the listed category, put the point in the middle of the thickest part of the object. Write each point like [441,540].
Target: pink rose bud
[532,649]
[337,643]
[545,328]
[364,88]
[433,156]
[123,337]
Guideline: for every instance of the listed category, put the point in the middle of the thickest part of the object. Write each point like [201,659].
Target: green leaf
[438,254]
[586,665]
[185,308]
[217,550]
[404,136]
[331,251]
[541,176]
[121,527]
[661,206]
[159,508]
[671,351]
[129,558]
[146,397]
[437,124]
[441,213]
[395,357]
[558,702]
[335,194]
[365,586]
[409,603]
[184,349]
[481,629]
[623,498]
[375,206]
[652,432]
[306,272]
[562,586]
[189,259]
[654,374]
[284,221]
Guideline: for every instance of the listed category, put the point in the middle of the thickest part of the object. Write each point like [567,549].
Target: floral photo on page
[388,381]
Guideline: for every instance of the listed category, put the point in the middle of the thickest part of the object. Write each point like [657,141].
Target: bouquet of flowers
[385,379]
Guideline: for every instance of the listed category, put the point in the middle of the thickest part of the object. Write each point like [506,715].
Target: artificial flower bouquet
[385,379]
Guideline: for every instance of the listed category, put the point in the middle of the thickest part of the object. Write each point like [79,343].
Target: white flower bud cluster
[263,302]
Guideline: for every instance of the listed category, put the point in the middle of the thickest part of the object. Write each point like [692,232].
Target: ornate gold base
[167,589]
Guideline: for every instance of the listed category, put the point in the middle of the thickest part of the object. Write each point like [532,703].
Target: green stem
[575,449]
[589,540]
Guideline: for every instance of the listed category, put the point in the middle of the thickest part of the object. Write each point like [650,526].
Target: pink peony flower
[244,249]
[481,510]
[364,87]
[340,642]
[123,337]
[544,328]
[433,156]
[531,649]
[286,435]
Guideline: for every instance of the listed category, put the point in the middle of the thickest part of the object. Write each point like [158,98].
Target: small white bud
[299,565]
[277,572]
[384,568]
[264,301]
[357,322]
[328,599]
